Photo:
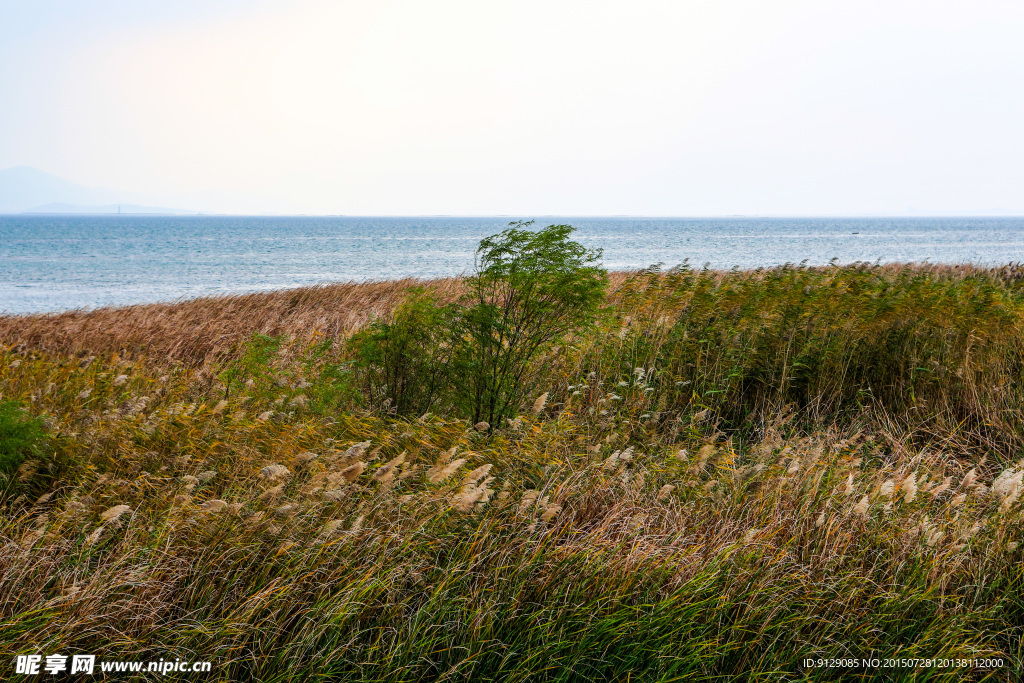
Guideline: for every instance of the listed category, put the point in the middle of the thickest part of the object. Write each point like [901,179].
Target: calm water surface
[53,263]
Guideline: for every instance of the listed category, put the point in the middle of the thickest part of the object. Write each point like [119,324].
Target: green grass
[21,437]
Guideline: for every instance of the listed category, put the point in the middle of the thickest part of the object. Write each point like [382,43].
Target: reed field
[723,475]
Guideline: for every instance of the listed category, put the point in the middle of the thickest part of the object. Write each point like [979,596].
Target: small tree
[530,289]
[403,362]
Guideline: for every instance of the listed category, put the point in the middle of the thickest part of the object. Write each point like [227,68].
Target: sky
[526,107]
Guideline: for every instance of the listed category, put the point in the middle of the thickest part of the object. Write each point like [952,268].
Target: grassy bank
[729,473]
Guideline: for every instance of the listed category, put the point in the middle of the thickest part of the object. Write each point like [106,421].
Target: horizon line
[204,214]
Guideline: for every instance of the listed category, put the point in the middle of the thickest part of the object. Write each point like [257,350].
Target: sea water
[54,263]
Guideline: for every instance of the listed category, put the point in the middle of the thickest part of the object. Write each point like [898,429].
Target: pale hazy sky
[645,107]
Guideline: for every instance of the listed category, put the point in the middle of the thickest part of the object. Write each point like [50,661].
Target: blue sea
[55,263]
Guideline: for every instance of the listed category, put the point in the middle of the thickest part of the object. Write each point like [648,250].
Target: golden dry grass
[199,331]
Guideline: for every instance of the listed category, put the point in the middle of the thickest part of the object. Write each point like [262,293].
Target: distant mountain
[28,190]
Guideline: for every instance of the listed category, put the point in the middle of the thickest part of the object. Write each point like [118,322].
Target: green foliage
[253,365]
[21,437]
[530,290]
[939,351]
[403,362]
[330,387]
[312,378]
